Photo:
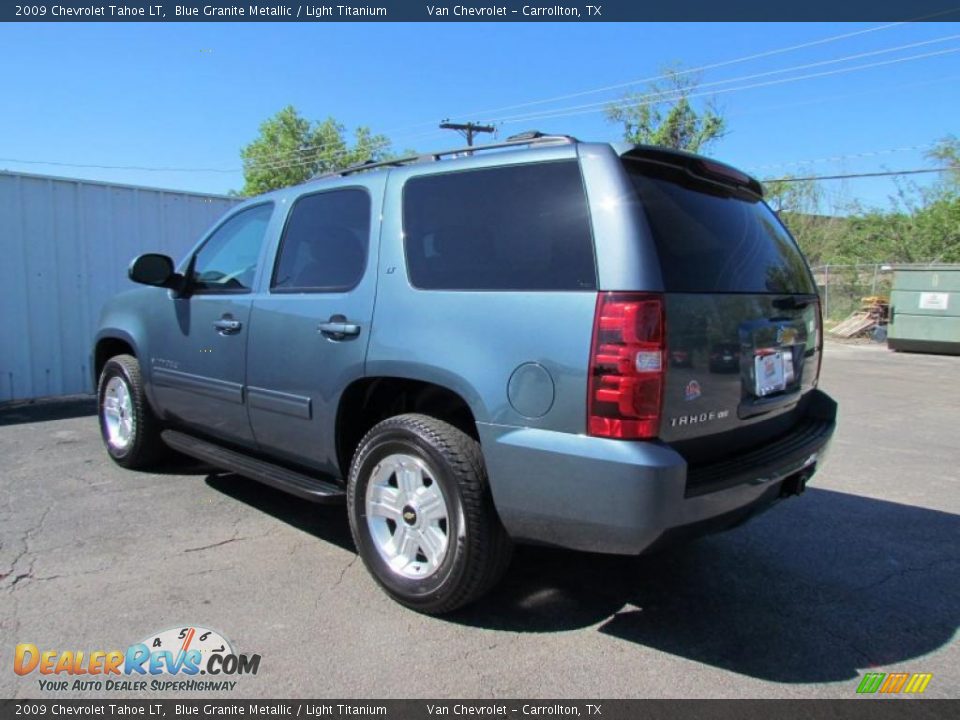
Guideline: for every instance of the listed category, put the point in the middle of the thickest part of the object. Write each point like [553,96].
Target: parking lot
[861,573]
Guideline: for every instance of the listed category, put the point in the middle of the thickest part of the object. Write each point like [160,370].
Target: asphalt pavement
[860,574]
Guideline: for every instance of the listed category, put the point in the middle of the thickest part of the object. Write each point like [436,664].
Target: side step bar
[304,486]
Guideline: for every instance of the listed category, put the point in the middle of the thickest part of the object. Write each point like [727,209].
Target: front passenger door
[198,362]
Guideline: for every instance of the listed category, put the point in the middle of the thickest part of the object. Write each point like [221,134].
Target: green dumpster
[925,310]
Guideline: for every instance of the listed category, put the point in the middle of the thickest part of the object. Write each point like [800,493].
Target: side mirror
[154,269]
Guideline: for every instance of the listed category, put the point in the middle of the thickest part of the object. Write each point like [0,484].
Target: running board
[303,486]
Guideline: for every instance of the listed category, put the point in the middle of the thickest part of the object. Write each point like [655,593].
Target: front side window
[325,242]
[227,262]
[518,227]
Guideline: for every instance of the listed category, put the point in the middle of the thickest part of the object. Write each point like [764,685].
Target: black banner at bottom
[854,709]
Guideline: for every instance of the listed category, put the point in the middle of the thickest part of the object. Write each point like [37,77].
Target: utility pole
[467,129]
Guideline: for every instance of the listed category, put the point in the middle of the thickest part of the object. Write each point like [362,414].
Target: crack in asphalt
[210,571]
[216,544]
[26,539]
[343,571]
[888,577]
[346,567]
[236,537]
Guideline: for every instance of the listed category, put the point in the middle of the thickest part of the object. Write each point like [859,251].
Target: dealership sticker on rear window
[692,391]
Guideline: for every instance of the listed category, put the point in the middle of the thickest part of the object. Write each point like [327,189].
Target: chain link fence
[843,287]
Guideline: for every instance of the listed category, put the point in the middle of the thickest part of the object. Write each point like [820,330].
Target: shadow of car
[813,591]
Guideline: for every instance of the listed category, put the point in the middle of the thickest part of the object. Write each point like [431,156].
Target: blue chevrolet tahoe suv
[544,341]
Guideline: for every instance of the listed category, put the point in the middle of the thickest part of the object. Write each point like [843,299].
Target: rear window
[711,239]
[520,227]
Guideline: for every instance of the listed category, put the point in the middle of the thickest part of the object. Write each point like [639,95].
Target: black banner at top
[467,11]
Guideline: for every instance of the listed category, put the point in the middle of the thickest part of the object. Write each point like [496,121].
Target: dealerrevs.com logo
[172,660]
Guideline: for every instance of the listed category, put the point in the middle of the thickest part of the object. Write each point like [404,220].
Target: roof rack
[523,139]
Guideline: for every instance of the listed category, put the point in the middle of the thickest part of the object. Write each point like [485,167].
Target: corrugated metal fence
[64,249]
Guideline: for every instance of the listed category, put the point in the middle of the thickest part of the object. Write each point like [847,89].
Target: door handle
[227,326]
[337,328]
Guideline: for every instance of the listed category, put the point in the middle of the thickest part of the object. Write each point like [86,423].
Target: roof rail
[525,139]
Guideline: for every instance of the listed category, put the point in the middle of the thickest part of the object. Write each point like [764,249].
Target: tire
[432,559]
[130,431]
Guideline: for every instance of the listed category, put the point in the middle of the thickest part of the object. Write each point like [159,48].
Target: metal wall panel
[64,249]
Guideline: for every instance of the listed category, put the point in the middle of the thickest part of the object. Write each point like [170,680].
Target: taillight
[627,365]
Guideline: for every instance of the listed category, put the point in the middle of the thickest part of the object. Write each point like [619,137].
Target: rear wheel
[422,516]
[130,431]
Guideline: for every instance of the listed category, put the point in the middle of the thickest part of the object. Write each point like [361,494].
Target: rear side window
[520,227]
[325,242]
[713,240]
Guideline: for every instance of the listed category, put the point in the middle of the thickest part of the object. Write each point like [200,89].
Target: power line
[567,112]
[577,110]
[307,155]
[315,154]
[701,68]
[887,89]
[310,153]
[669,95]
[661,97]
[164,169]
[115,167]
[848,156]
[316,151]
[848,176]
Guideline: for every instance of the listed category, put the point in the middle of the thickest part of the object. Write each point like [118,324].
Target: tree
[799,203]
[794,195]
[665,115]
[946,153]
[290,150]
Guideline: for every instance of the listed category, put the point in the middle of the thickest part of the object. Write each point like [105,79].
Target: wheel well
[106,349]
[366,402]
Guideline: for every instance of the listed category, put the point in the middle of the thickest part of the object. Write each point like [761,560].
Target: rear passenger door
[309,328]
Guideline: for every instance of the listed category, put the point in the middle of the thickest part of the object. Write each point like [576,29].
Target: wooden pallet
[859,322]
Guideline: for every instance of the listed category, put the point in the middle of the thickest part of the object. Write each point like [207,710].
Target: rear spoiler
[697,166]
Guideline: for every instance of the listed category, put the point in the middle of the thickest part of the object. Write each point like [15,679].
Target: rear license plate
[770,374]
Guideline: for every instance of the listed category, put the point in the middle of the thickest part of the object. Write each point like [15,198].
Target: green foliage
[290,150]
[921,224]
[798,203]
[665,115]
[946,153]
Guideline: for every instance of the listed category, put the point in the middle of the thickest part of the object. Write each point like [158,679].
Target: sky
[188,96]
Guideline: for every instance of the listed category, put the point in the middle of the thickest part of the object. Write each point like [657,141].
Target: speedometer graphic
[180,640]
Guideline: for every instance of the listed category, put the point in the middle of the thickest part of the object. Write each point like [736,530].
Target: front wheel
[130,431]
[422,516]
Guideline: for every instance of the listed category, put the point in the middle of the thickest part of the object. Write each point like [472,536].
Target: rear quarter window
[518,227]
[711,240]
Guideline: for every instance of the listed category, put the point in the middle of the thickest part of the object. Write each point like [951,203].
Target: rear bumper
[612,496]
